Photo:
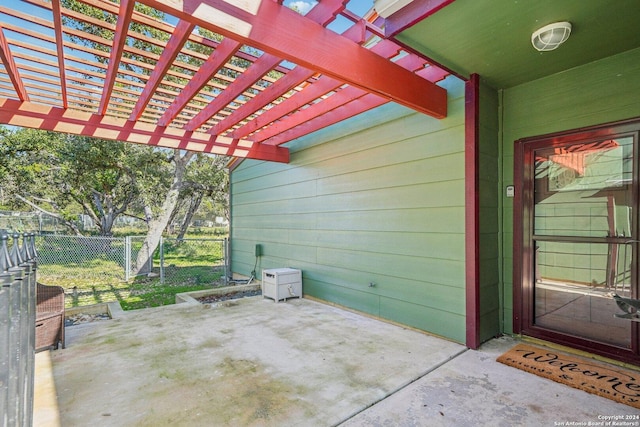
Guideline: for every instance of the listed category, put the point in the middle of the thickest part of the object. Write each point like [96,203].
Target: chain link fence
[100,269]
[32,221]
[76,258]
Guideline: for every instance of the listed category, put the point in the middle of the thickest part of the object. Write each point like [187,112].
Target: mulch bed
[78,319]
[228,296]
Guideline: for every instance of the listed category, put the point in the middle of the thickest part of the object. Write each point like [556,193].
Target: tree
[27,171]
[194,177]
[65,175]
[157,218]
[107,178]
[206,178]
[159,222]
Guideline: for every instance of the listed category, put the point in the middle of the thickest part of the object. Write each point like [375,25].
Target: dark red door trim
[472,264]
[523,252]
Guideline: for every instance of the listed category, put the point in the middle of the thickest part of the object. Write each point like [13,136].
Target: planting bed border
[113,309]
[191,297]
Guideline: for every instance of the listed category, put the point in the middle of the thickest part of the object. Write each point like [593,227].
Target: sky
[359,7]
[301,5]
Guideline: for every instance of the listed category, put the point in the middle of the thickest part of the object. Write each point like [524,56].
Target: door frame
[523,253]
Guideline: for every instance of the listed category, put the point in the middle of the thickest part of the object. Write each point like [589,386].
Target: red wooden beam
[283,85]
[342,97]
[12,69]
[345,111]
[322,13]
[225,50]
[351,109]
[120,38]
[282,32]
[38,116]
[57,23]
[325,12]
[323,86]
[332,116]
[174,45]
[472,211]
[414,12]
[433,73]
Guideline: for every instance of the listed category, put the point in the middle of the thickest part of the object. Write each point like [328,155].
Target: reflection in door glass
[584,238]
[573,290]
[584,189]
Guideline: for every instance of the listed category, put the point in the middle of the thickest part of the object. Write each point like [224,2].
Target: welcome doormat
[612,382]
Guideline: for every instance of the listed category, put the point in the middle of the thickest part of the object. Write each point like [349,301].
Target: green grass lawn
[142,292]
[97,276]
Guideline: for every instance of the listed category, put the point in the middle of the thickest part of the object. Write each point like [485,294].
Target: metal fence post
[30,266]
[5,258]
[34,252]
[15,389]
[15,255]
[23,340]
[127,258]
[161,260]
[25,251]
[225,254]
[6,280]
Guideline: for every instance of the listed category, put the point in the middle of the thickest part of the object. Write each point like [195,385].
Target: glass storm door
[581,241]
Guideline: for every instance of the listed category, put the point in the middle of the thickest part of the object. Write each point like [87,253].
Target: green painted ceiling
[493,37]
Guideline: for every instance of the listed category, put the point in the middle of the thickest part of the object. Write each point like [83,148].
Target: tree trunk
[105,217]
[144,260]
[194,204]
[175,212]
[148,214]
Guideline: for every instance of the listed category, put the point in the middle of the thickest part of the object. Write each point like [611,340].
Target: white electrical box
[281,283]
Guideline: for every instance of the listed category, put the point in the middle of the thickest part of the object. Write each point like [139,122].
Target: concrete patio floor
[252,362]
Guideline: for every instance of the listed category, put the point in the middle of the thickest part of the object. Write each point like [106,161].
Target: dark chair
[49,317]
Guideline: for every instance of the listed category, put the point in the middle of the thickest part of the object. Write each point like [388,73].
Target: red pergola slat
[17,113]
[282,32]
[262,65]
[169,100]
[322,87]
[218,58]
[414,12]
[292,79]
[339,100]
[276,90]
[10,66]
[169,54]
[322,14]
[124,19]
[57,22]
[345,111]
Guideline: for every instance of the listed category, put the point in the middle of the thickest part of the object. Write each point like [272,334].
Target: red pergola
[270,74]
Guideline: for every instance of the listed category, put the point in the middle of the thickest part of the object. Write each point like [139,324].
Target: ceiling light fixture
[551,36]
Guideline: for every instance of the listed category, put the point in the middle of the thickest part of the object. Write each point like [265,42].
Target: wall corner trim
[472,263]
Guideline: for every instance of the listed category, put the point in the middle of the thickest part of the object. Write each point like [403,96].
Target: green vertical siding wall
[378,199]
[603,91]
[489,204]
